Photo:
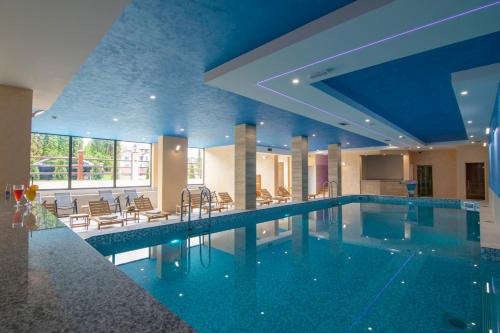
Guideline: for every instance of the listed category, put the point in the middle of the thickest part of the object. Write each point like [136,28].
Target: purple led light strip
[383,40]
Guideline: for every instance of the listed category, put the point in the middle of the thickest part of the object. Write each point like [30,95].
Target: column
[245,166]
[299,168]
[15,135]
[335,166]
[172,171]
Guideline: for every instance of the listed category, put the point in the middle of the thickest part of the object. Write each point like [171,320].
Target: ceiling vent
[318,74]
[343,124]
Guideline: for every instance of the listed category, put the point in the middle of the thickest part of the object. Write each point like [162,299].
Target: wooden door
[474,181]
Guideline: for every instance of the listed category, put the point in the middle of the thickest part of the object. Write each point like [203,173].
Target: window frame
[115,143]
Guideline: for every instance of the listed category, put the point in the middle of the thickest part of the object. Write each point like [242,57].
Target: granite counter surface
[53,281]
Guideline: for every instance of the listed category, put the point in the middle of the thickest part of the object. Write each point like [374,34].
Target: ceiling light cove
[263,75]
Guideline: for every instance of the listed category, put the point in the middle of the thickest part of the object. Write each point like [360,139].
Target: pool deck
[53,281]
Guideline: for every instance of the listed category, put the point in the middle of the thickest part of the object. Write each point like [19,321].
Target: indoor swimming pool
[357,267]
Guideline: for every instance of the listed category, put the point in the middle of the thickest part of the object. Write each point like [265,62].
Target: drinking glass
[18,191]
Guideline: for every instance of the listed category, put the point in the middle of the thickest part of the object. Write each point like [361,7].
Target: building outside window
[133,162]
[195,167]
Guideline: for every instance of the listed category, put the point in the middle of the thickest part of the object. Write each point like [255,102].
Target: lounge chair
[144,207]
[50,207]
[283,192]
[261,200]
[101,213]
[107,195]
[225,200]
[130,195]
[264,193]
[63,201]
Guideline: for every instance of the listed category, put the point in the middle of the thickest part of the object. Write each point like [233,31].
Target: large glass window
[49,160]
[195,166]
[133,164]
[92,163]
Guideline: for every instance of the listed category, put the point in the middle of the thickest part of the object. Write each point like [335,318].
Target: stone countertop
[53,281]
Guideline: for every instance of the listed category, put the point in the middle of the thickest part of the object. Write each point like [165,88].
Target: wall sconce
[343,164]
[177,148]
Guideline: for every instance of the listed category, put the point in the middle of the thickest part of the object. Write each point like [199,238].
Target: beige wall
[444,170]
[265,168]
[15,135]
[470,154]
[172,171]
[219,169]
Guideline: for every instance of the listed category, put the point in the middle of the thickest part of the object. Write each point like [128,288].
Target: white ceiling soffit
[476,92]
[360,35]
[44,43]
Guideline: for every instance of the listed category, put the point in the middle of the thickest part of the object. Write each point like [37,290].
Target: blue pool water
[359,267]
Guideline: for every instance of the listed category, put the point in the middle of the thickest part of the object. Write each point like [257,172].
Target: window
[90,163]
[133,164]
[49,160]
[195,166]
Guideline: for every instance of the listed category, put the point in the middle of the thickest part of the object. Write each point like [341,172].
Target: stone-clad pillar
[335,166]
[299,168]
[245,153]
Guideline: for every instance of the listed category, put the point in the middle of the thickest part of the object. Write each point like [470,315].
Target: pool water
[359,267]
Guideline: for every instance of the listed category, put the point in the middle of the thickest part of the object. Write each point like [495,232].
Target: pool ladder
[186,195]
[329,186]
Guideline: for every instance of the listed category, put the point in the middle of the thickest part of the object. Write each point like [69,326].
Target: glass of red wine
[18,191]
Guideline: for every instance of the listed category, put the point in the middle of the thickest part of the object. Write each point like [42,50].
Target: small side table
[74,220]
[131,215]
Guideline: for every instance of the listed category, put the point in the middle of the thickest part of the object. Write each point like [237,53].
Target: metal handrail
[188,192]
[205,192]
[329,185]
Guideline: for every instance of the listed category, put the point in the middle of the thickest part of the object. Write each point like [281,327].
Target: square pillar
[299,168]
[245,164]
[15,135]
[172,171]
[335,166]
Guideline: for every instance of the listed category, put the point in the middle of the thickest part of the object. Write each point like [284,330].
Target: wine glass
[18,191]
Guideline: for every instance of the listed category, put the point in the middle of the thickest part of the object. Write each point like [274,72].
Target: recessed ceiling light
[418,147]
[400,136]
[431,147]
[367,120]
[88,133]
[484,144]
[115,119]
[296,81]
[181,129]
[469,121]
[152,97]
[472,136]
[313,134]
[227,136]
[258,141]
[347,143]
[464,92]
[262,123]
[178,147]
[487,131]
[285,145]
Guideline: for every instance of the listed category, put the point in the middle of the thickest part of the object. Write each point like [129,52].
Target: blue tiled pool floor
[352,268]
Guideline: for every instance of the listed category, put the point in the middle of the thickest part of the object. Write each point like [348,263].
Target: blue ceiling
[163,48]
[415,93]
